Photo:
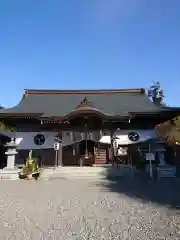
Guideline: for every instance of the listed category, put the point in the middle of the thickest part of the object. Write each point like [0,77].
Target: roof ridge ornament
[85,103]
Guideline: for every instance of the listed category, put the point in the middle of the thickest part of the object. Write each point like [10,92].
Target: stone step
[166,172]
[79,176]
[96,169]
[8,174]
[100,161]
[70,176]
[84,173]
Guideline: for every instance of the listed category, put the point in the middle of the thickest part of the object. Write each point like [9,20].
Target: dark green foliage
[5,127]
[156,93]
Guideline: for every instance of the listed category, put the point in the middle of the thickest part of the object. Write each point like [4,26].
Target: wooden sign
[150,157]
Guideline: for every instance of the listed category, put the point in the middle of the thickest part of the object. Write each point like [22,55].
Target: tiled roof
[117,102]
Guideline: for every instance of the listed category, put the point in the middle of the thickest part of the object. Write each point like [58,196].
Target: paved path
[66,209]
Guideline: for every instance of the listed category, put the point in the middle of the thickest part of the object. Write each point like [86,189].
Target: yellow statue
[30,169]
[30,154]
[31,162]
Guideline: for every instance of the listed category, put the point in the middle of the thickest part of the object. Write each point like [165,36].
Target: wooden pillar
[94,154]
[77,152]
[112,147]
[97,148]
[60,162]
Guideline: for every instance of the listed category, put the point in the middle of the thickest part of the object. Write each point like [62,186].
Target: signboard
[56,146]
[150,157]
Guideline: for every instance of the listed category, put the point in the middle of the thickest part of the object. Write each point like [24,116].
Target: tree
[170,130]
[6,128]
[156,93]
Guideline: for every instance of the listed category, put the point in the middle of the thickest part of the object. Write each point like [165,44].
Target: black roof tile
[62,102]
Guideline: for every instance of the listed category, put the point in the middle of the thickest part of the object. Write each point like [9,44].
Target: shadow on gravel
[164,192]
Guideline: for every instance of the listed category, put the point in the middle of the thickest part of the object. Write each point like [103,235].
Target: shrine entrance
[84,147]
[86,152]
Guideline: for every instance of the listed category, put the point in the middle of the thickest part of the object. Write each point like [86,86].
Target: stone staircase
[90,173]
[100,157]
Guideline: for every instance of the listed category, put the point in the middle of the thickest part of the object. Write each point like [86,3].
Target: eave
[85,115]
[160,116]
[162,111]
[16,116]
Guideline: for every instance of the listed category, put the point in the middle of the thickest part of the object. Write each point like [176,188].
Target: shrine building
[84,122]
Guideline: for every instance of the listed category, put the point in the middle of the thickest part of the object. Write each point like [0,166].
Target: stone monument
[10,172]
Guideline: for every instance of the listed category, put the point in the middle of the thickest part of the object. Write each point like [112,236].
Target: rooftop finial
[85,103]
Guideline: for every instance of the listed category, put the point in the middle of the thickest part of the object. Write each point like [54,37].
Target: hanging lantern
[86,155]
[71,136]
[115,144]
[86,151]
[90,136]
[82,136]
[74,150]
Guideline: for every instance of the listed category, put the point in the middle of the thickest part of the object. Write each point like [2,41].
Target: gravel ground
[80,209]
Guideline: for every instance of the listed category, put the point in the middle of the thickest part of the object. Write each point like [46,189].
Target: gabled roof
[116,102]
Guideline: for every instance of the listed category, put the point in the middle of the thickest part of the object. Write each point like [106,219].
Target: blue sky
[80,44]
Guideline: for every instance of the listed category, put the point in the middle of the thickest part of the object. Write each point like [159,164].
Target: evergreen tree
[4,127]
[156,93]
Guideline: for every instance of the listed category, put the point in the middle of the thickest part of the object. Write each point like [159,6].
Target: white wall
[26,139]
[122,136]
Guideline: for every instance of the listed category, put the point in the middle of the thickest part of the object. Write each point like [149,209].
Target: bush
[30,169]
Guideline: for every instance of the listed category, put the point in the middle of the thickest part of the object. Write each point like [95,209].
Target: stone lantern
[10,172]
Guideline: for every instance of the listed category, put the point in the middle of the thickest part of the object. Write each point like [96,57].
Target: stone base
[166,171]
[9,174]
